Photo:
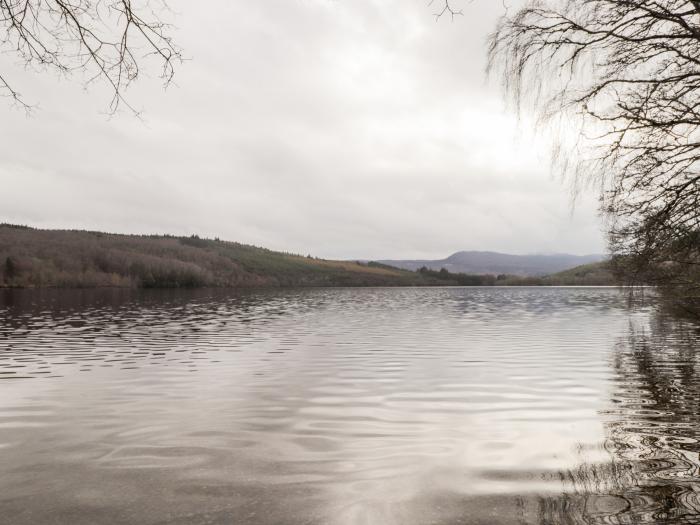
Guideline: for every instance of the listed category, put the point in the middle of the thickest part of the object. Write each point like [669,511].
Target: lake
[346,406]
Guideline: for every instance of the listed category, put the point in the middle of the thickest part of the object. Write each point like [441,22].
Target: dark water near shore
[346,406]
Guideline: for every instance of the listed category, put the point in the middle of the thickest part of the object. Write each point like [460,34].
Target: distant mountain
[474,262]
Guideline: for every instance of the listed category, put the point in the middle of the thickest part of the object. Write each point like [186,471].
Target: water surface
[346,406]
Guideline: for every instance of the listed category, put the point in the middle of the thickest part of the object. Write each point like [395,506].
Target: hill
[69,258]
[476,262]
[32,257]
[593,274]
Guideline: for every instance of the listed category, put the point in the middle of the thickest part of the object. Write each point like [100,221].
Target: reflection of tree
[653,438]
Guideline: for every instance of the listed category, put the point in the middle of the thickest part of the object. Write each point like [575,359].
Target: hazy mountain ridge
[495,263]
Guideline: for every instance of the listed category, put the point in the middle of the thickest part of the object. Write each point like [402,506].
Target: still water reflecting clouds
[344,406]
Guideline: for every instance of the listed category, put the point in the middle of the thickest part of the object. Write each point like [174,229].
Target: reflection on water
[441,405]
[652,434]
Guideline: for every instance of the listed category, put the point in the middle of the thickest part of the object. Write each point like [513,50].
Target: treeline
[594,274]
[458,279]
[38,258]
[69,258]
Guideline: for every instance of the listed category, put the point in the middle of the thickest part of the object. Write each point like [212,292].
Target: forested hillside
[66,258]
[70,258]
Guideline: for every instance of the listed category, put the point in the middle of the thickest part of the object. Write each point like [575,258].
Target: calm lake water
[346,406]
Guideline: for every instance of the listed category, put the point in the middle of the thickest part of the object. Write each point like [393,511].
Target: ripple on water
[441,405]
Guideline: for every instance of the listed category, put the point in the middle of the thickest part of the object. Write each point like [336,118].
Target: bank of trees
[628,73]
[70,258]
[594,274]
[459,279]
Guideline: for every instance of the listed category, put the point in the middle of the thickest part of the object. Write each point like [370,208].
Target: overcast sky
[340,128]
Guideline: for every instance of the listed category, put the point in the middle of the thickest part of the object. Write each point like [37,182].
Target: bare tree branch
[629,73]
[107,39]
[446,8]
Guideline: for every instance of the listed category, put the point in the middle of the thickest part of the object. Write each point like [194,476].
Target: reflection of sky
[382,405]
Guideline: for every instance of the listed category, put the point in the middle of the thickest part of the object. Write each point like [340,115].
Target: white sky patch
[342,129]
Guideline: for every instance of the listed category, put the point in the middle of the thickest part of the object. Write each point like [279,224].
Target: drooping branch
[629,73]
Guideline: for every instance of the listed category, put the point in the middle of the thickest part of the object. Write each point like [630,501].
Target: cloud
[342,129]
